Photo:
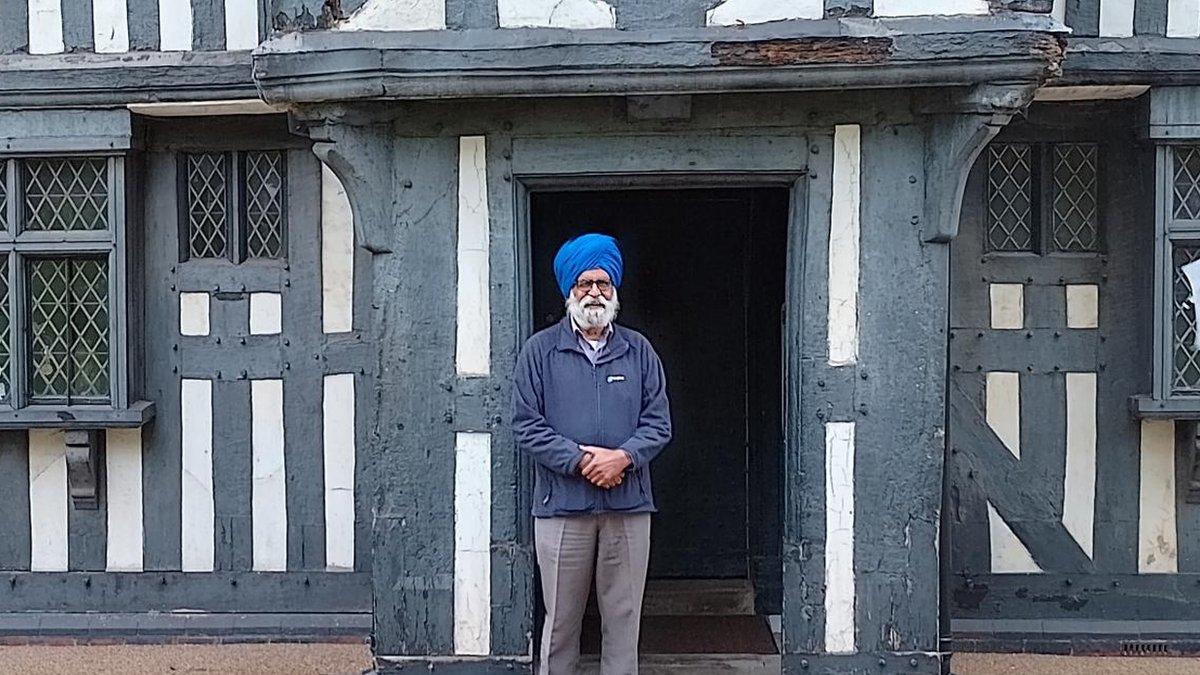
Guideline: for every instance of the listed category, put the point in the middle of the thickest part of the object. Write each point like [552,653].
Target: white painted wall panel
[193,313]
[266,313]
[1158,540]
[337,409]
[268,499]
[45,26]
[1007,306]
[1183,18]
[398,15]
[1079,479]
[47,501]
[738,12]
[578,14]
[241,24]
[1009,555]
[844,245]
[472,543]
[839,538]
[337,255]
[473,353]
[1083,306]
[1059,10]
[175,25]
[196,498]
[929,7]
[1003,408]
[110,26]
[1116,18]
[123,482]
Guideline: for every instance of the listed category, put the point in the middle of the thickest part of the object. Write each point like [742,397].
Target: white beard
[591,312]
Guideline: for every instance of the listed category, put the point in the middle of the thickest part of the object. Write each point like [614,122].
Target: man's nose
[594,290]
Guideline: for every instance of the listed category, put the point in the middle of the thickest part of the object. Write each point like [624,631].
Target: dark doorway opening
[705,273]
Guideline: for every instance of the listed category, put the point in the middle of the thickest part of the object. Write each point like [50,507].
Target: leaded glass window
[5,351]
[66,193]
[1076,218]
[1185,377]
[1187,183]
[3,195]
[235,204]
[68,307]
[1010,198]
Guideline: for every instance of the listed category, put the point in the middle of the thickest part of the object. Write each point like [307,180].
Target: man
[590,407]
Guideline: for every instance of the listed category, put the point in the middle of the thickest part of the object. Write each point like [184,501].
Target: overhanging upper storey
[790,55]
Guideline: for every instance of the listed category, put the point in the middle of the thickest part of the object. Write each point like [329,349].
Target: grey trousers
[617,547]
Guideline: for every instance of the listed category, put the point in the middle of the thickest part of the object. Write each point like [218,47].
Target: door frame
[680,161]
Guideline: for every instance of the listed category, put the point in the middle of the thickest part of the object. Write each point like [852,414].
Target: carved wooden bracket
[83,466]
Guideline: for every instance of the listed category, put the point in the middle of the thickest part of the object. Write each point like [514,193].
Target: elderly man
[590,407]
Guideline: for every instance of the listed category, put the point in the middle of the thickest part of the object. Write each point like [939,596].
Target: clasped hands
[603,467]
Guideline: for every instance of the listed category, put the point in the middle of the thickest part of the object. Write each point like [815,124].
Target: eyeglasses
[586,285]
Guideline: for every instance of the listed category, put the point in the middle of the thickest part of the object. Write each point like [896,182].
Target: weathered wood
[1150,17]
[143,18]
[1083,16]
[14,484]
[1126,597]
[836,9]
[14,27]
[77,25]
[208,25]
[232,474]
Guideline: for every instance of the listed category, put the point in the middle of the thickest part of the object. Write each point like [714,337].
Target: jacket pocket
[630,494]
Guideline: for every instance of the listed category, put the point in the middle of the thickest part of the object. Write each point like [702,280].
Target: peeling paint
[802,51]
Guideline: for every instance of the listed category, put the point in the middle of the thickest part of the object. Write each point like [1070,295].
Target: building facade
[267,266]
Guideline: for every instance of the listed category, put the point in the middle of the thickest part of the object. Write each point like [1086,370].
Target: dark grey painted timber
[56,80]
[1083,16]
[87,529]
[1187,514]
[133,626]
[303,384]
[637,15]
[1035,350]
[232,463]
[1150,17]
[334,592]
[1045,306]
[1127,597]
[143,21]
[14,485]
[14,27]
[1144,59]
[895,52]
[1043,414]
[78,417]
[162,470]
[967,521]
[898,449]
[853,664]
[463,14]
[77,25]
[455,665]
[841,8]
[208,25]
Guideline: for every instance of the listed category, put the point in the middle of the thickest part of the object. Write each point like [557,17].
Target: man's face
[593,301]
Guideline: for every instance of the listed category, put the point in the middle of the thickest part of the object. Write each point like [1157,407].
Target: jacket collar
[617,345]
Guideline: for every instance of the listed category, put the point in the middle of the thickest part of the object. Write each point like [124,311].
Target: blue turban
[587,252]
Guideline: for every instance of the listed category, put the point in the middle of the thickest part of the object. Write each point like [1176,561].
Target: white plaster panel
[1183,18]
[1079,479]
[337,409]
[337,255]
[241,24]
[839,538]
[45,26]
[196,496]
[268,498]
[1003,408]
[1059,10]
[193,313]
[577,14]
[1009,555]
[738,12]
[110,26]
[474,335]
[47,501]
[233,106]
[1158,540]
[123,482]
[844,245]
[1083,306]
[175,25]
[266,313]
[1116,18]
[929,7]
[398,15]
[1007,306]
[472,543]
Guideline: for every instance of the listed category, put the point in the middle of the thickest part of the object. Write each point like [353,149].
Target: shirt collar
[608,331]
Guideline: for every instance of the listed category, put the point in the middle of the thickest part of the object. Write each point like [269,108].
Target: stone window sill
[77,416]
[1149,408]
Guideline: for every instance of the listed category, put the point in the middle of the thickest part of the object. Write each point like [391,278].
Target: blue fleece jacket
[561,400]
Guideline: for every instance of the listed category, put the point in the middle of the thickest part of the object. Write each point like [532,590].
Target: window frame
[1169,233]
[20,244]
[237,225]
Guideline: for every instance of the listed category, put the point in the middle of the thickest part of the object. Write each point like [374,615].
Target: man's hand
[602,466]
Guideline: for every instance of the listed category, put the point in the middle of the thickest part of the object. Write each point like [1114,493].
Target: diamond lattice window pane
[264,190]
[207,204]
[1010,197]
[1187,183]
[3,194]
[5,351]
[1186,360]
[66,194]
[1076,219]
[68,300]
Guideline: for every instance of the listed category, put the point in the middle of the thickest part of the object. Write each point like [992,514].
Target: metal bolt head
[912,662]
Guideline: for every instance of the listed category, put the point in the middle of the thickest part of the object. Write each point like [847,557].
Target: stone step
[693,597]
[694,664]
